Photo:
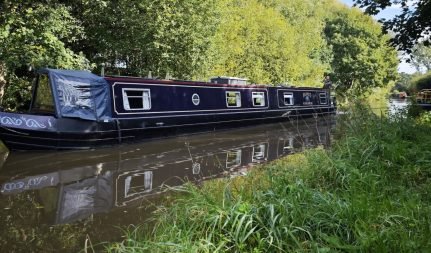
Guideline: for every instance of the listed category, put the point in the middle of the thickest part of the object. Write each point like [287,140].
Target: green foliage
[270,42]
[421,57]
[362,58]
[34,34]
[313,55]
[421,82]
[159,36]
[277,41]
[17,95]
[403,83]
[255,42]
[425,118]
[369,193]
[377,99]
[411,26]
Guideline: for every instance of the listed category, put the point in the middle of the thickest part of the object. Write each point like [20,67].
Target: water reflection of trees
[25,230]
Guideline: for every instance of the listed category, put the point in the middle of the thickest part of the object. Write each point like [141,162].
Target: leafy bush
[17,96]
[422,82]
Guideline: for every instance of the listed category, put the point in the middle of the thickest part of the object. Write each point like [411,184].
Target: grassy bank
[370,192]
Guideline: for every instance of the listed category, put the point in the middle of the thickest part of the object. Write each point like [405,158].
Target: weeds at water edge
[369,192]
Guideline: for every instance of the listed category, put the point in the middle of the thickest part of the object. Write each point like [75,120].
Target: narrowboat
[423,99]
[79,110]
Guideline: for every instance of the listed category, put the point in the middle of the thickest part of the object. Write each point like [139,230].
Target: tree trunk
[2,81]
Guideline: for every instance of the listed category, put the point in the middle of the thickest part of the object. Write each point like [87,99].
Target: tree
[420,82]
[421,57]
[139,36]
[403,83]
[410,27]
[362,59]
[34,34]
[312,54]
[259,43]
[270,42]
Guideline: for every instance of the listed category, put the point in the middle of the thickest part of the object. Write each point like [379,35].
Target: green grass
[370,192]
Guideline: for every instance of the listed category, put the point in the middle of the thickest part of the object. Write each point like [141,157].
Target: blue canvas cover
[80,94]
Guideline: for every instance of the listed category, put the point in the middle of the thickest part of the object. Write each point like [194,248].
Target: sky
[387,14]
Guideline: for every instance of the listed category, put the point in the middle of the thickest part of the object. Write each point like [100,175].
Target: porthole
[195,99]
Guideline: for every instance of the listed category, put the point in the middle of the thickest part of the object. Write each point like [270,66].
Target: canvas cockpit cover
[79,94]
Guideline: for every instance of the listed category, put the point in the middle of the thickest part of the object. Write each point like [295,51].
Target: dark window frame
[255,94]
[41,108]
[126,101]
[290,94]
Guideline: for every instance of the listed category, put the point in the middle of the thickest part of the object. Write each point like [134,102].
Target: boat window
[43,102]
[258,98]
[136,99]
[233,99]
[288,98]
[322,97]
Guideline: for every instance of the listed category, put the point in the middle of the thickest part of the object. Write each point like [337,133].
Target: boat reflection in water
[80,184]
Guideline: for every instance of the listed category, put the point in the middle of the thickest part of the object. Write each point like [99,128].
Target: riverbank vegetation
[420,82]
[412,83]
[421,79]
[369,192]
[280,41]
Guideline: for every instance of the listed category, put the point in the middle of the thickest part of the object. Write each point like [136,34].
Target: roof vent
[229,80]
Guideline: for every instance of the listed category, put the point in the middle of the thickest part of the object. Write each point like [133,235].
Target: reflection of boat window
[196,168]
[233,158]
[138,183]
[322,97]
[259,153]
[288,145]
[308,142]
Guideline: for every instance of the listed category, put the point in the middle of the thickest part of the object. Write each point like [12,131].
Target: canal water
[60,201]
[397,106]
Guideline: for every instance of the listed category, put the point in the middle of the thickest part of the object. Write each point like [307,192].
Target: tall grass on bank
[370,192]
